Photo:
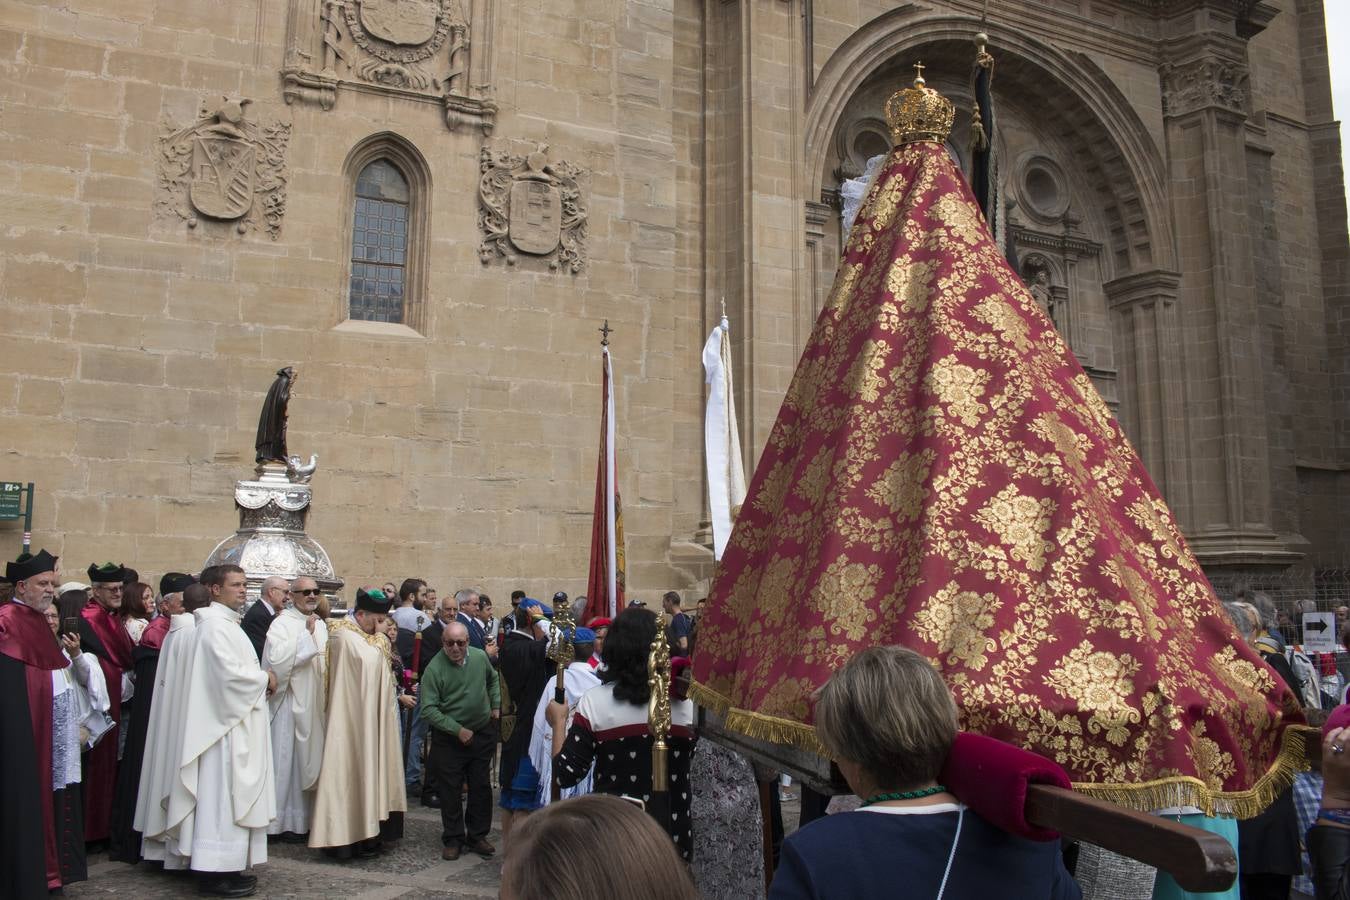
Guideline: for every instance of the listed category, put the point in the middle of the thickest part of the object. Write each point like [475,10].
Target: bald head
[455,642]
[195,597]
[275,590]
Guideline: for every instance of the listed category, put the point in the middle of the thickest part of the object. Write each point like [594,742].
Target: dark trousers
[450,764]
[1265,886]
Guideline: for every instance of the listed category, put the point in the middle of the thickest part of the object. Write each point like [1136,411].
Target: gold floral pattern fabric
[943,475]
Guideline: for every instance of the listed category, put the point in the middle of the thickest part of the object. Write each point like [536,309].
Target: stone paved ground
[412,870]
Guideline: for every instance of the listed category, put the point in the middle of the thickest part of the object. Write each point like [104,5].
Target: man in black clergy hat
[103,634]
[124,841]
[360,798]
[29,863]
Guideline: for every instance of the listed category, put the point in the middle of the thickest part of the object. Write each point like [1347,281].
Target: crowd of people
[187,728]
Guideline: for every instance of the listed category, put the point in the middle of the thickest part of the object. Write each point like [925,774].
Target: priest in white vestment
[165,732]
[578,678]
[224,797]
[360,799]
[295,652]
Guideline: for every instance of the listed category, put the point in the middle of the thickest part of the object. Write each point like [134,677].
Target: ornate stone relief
[527,205]
[224,168]
[420,49]
[1204,83]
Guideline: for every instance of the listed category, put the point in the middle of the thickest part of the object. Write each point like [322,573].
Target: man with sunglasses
[295,653]
[461,702]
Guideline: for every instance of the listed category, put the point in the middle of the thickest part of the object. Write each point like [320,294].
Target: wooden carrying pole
[1198,860]
[658,723]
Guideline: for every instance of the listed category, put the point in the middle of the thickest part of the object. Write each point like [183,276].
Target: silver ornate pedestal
[271,539]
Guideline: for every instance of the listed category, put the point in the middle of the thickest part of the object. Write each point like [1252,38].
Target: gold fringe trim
[758,726]
[1185,791]
[1146,796]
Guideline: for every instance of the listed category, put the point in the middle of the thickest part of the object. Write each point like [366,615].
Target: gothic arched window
[380,244]
[388,191]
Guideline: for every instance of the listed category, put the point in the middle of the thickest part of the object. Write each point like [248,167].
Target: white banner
[721,438]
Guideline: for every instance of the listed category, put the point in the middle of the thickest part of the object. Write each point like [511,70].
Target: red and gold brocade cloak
[943,475]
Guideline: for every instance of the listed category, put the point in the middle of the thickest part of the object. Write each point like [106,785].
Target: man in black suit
[259,617]
[467,600]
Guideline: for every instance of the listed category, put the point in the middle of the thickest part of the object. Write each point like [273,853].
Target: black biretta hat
[28,565]
[105,574]
[174,583]
[374,601]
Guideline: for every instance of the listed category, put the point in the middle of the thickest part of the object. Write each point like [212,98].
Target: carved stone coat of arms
[224,168]
[420,50]
[530,206]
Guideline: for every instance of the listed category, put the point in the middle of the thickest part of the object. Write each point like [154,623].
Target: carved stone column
[820,266]
[1152,389]
[1204,101]
[755,240]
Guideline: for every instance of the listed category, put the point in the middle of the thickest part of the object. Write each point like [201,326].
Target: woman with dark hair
[138,607]
[68,606]
[610,730]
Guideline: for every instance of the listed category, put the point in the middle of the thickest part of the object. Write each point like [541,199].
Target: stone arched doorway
[1081,174]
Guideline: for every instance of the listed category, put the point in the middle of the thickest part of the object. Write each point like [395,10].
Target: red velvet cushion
[992,778]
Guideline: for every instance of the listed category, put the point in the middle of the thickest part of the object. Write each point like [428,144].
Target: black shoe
[290,837]
[368,849]
[481,847]
[431,801]
[229,884]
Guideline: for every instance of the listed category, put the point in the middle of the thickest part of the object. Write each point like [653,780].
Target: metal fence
[1294,592]
[1325,588]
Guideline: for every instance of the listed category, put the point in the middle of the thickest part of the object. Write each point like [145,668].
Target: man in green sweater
[461,702]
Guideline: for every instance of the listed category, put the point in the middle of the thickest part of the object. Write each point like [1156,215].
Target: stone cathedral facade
[429,207]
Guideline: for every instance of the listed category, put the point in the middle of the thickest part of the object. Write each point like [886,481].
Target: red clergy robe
[26,638]
[155,632]
[103,634]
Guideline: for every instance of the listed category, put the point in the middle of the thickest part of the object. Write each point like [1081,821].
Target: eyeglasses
[306,592]
[456,643]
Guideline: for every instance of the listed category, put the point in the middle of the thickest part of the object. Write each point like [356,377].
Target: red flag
[604,582]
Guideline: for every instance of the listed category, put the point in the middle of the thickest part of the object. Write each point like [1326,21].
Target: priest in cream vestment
[295,652]
[165,733]
[360,800]
[223,797]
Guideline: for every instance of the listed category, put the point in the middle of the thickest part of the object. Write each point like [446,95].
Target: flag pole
[602,585]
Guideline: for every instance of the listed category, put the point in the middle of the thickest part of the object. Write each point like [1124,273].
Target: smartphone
[70,625]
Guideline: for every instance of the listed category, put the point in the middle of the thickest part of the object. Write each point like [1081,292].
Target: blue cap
[583,636]
[531,603]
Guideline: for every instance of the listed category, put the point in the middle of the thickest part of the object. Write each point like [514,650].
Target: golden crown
[919,113]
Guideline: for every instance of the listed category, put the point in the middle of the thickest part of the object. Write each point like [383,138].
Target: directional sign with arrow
[1319,632]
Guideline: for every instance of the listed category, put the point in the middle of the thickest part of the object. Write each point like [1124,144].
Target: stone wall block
[42,281]
[42,359]
[131,366]
[114,401]
[41,396]
[55,53]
